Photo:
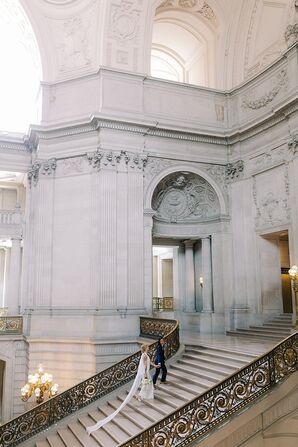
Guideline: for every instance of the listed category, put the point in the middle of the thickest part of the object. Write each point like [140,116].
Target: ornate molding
[124,21]
[43,167]
[280,81]
[200,7]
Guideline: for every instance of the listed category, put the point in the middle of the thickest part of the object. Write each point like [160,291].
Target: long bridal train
[143,374]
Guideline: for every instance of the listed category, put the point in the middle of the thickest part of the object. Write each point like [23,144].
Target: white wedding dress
[145,393]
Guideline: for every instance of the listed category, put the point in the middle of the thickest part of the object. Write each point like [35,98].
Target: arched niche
[185,203]
[185,197]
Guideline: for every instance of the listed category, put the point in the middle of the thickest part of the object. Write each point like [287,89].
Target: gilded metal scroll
[50,412]
[205,412]
[11,325]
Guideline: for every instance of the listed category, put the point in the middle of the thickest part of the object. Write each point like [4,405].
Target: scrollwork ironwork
[206,411]
[11,325]
[50,412]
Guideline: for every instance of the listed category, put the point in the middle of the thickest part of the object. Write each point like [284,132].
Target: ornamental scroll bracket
[41,167]
[234,170]
[293,144]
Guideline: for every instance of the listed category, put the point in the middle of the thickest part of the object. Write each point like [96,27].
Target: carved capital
[234,170]
[291,34]
[33,173]
[94,159]
[41,167]
[293,144]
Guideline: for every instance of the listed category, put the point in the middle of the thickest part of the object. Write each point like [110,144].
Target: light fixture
[293,272]
[39,384]
[201,281]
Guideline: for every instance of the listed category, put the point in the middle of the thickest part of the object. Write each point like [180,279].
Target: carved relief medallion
[184,197]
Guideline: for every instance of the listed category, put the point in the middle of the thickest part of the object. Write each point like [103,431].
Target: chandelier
[39,384]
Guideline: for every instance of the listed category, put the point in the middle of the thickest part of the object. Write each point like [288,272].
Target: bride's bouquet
[146,381]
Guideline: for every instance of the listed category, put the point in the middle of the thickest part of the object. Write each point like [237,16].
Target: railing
[206,411]
[11,326]
[11,217]
[50,412]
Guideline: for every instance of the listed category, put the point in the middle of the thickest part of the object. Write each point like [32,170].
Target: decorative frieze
[249,102]
[101,159]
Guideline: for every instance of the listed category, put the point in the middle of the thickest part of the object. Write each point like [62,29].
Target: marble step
[214,375]
[98,438]
[223,353]
[270,330]
[250,333]
[279,324]
[234,361]
[202,379]
[224,369]
[219,368]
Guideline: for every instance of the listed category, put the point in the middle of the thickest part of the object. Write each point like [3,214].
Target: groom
[160,362]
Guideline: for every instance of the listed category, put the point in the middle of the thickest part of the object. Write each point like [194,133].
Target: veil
[133,390]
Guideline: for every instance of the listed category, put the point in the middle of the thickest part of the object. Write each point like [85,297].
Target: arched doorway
[186,226]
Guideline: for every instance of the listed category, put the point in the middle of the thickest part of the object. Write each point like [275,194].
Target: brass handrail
[187,423]
[11,325]
[52,411]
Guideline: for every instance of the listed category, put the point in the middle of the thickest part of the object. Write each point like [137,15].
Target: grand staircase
[196,370]
[276,329]
[203,391]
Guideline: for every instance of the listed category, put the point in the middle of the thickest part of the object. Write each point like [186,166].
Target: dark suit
[160,359]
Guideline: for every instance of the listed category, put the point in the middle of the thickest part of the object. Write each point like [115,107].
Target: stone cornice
[150,129]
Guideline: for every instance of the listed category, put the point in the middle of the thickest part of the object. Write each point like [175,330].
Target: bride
[142,378]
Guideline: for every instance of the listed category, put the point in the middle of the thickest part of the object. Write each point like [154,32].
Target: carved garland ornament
[279,82]
[184,197]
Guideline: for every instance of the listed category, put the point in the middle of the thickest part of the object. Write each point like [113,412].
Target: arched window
[20,72]
[183,42]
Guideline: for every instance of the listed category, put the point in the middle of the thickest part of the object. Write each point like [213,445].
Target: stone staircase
[193,372]
[276,329]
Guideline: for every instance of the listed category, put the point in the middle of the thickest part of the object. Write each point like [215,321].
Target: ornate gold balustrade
[216,405]
[50,412]
[11,325]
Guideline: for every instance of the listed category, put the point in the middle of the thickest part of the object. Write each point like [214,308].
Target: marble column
[14,277]
[148,259]
[207,275]
[189,276]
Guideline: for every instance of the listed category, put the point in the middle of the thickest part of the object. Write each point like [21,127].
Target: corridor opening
[275,279]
